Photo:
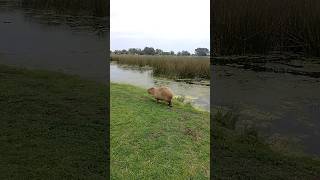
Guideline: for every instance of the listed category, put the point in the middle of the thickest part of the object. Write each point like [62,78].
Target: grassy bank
[52,126]
[170,66]
[152,141]
[242,154]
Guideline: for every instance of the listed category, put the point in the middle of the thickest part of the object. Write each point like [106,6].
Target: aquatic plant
[170,66]
[260,26]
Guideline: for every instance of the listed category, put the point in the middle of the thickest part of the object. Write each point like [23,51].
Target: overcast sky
[166,24]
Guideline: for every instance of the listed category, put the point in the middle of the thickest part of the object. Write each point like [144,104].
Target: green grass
[170,66]
[51,126]
[242,154]
[152,141]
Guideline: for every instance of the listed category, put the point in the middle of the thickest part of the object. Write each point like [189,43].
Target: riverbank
[169,143]
[197,95]
[58,123]
[151,140]
[244,154]
[52,125]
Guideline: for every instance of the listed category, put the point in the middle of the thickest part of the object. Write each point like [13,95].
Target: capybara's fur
[161,93]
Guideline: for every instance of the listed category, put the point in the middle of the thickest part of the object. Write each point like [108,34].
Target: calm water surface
[197,95]
[45,40]
[279,104]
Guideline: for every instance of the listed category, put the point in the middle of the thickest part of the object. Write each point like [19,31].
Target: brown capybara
[161,93]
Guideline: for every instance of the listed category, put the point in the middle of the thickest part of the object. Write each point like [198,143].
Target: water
[197,95]
[276,103]
[59,42]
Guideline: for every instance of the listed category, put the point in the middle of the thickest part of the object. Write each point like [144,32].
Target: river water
[284,105]
[73,44]
[278,104]
[197,95]
[59,42]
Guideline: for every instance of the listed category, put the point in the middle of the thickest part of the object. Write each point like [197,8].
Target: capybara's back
[161,93]
[165,93]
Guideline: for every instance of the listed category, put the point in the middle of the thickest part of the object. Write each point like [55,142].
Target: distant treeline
[152,51]
[261,26]
[84,7]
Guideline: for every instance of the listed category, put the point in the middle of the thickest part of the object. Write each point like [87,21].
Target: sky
[164,24]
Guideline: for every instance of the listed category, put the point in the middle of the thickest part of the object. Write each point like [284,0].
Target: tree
[179,53]
[124,51]
[139,51]
[134,51]
[172,53]
[149,51]
[202,51]
[117,52]
[159,52]
[185,53]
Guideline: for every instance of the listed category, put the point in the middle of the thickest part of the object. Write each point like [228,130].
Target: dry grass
[170,66]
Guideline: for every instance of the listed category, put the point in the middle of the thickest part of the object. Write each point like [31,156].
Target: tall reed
[170,66]
[260,26]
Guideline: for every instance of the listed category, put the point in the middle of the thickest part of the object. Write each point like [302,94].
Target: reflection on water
[40,39]
[277,103]
[197,95]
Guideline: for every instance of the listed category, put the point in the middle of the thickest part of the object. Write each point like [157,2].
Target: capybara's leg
[170,104]
[157,100]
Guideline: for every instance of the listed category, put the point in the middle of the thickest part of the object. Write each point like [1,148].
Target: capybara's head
[151,91]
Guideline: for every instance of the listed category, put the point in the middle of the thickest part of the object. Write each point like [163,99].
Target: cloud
[164,21]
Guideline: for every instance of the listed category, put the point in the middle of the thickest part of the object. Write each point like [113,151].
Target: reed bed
[88,7]
[174,67]
[261,26]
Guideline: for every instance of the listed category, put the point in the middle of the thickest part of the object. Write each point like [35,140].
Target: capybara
[161,93]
